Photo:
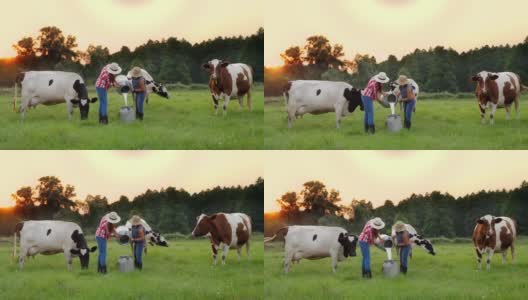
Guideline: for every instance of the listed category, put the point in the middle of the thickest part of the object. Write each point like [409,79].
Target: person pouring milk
[369,236]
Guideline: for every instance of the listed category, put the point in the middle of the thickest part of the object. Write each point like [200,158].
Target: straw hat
[381,77]
[112,217]
[113,68]
[402,80]
[377,223]
[136,72]
[135,220]
[399,226]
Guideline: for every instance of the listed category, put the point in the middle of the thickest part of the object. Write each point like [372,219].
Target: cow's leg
[333,255]
[225,249]
[240,103]
[339,112]
[287,260]
[492,113]
[215,253]
[507,108]
[69,105]
[238,253]
[22,256]
[479,258]
[247,249]
[226,103]
[504,256]
[488,261]
[23,107]
[482,114]
[512,252]
[215,103]
[68,257]
[516,102]
[250,105]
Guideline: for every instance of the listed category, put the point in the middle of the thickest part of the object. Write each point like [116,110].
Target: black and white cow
[416,239]
[50,88]
[318,97]
[151,236]
[124,84]
[52,237]
[316,242]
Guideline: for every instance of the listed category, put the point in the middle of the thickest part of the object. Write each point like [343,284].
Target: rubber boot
[99,270]
[104,269]
[140,266]
[409,125]
[403,270]
[100,119]
[364,275]
[369,274]
[105,120]
[372,129]
[367,132]
[141,116]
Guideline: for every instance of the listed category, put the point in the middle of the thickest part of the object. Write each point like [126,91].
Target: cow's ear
[224,64]
[206,66]
[493,76]
[341,238]
[94,100]
[75,251]
[497,220]
[480,221]
[475,78]
[75,101]
[93,249]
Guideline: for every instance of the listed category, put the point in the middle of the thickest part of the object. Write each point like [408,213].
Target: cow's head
[487,223]
[349,244]
[203,225]
[424,243]
[214,67]
[485,84]
[160,89]
[81,249]
[155,238]
[353,97]
[82,99]
[393,85]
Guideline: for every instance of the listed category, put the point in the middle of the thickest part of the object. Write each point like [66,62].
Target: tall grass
[451,274]
[186,121]
[437,124]
[182,271]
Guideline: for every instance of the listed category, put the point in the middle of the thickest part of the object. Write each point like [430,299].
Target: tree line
[167,210]
[433,214]
[437,69]
[169,60]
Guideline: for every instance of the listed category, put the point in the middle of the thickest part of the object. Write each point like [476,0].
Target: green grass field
[182,271]
[437,124]
[451,274]
[186,121]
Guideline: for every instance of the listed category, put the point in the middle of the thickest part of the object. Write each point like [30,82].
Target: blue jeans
[101,245]
[365,252]
[408,108]
[102,93]
[140,100]
[368,106]
[404,254]
[138,252]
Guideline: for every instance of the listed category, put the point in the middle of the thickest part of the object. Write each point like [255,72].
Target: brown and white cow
[494,234]
[226,231]
[497,90]
[228,80]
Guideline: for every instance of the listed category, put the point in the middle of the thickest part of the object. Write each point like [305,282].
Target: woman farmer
[139,90]
[403,244]
[104,82]
[368,237]
[408,98]
[372,92]
[138,241]
[105,230]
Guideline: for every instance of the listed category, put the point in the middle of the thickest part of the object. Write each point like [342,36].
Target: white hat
[112,217]
[113,68]
[135,220]
[381,77]
[402,80]
[136,72]
[399,226]
[377,223]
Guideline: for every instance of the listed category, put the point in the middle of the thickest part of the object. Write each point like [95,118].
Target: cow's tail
[18,228]
[286,92]
[18,82]
[271,238]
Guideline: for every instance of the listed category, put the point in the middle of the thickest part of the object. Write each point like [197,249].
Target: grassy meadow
[451,274]
[182,271]
[438,124]
[186,121]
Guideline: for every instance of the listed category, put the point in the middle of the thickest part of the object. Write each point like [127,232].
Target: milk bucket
[125,264]
[390,267]
[127,114]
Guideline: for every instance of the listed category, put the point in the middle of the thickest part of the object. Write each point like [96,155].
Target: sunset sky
[115,23]
[383,27]
[395,175]
[115,173]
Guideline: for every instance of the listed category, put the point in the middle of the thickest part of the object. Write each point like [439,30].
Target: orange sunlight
[392,175]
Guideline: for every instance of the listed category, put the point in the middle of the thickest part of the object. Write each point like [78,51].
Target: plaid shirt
[102,230]
[372,89]
[104,80]
[366,235]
